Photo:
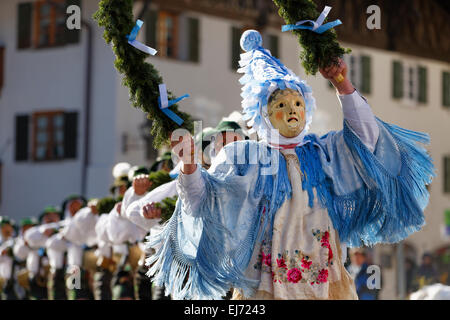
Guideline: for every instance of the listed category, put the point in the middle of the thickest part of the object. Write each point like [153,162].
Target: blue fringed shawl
[370,197]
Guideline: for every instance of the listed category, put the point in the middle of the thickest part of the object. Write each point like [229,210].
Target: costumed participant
[239,119]
[80,232]
[124,235]
[147,211]
[163,162]
[7,261]
[59,250]
[225,132]
[21,251]
[38,262]
[141,184]
[268,217]
[121,182]
[105,263]
[160,189]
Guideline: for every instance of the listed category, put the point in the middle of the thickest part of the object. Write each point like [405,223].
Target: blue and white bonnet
[263,74]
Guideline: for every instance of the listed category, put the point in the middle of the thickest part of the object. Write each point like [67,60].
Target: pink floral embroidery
[297,267]
[294,275]
[323,275]
[325,239]
[281,263]
[306,264]
[266,259]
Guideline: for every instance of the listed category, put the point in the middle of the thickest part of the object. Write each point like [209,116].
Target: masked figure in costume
[268,218]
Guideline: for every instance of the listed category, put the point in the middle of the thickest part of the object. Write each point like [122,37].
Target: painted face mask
[286,110]
[276,103]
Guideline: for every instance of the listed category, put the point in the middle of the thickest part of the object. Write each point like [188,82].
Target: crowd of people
[94,249]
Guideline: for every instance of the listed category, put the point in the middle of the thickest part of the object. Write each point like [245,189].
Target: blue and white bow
[317,26]
[165,103]
[138,45]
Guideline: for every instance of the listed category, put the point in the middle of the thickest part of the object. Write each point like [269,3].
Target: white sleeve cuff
[191,188]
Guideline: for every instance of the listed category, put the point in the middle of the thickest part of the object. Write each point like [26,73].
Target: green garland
[167,206]
[105,205]
[319,50]
[142,79]
[159,178]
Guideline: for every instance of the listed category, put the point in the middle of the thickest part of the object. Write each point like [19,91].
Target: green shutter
[194,39]
[366,74]
[24,21]
[151,21]
[274,46]
[397,80]
[423,84]
[235,47]
[72,36]
[22,131]
[446,89]
[446,174]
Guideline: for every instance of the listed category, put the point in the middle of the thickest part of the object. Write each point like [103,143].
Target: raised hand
[183,146]
[151,211]
[332,72]
[141,184]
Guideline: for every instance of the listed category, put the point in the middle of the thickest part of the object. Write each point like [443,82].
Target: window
[410,82]
[167,34]
[48,136]
[359,72]
[174,36]
[272,44]
[446,89]
[50,24]
[447,174]
[42,24]
[54,136]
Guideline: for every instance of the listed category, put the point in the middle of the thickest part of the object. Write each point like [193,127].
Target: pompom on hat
[264,74]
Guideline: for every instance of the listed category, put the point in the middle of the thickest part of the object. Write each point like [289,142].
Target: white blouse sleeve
[359,116]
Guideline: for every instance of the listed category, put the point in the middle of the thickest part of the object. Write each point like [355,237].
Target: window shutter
[151,21]
[22,133]
[70,135]
[235,47]
[446,89]
[274,46]
[446,174]
[72,36]
[193,36]
[24,21]
[366,74]
[397,80]
[423,83]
